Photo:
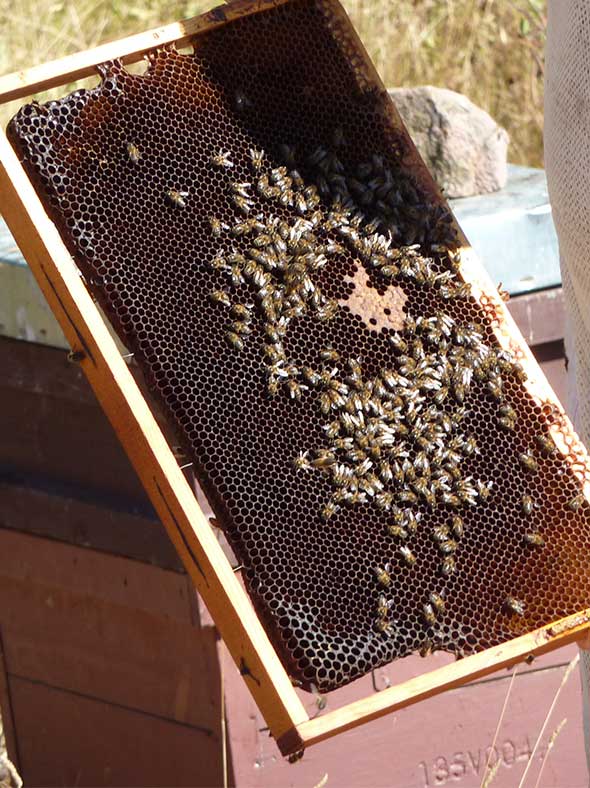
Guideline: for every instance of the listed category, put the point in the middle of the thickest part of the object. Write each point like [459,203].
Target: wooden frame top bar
[22,84]
[151,456]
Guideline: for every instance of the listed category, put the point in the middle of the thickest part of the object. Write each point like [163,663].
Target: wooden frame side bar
[152,458]
[146,447]
[560,633]
[21,84]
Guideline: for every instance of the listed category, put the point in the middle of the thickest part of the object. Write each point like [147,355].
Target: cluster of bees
[396,205]
[394,440]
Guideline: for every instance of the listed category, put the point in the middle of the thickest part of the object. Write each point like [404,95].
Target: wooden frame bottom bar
[540,641]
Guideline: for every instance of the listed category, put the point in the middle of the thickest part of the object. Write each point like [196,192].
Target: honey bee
[428,614]
[407,497]
[534,539]
[265,189]
[274,353]
[332,430]
[528,462]
[237,278]
[426,648]
[470,446]
[329,510]
[484,490]
[545,444]
[301,462]
[241,312]
[411,522]
[494,386]
[440,533]
[176,197]
[518,372]
[133,152]
[447,547]
[220,297]
[216,226]
[328,310]
[218,263]
[384,605]
[507,424]
[325,402]
[514,605]
[382,575]
[272,386]
[246,227]
[437,601]
[257,157]
[384,627]
[222,160]
[407,555]
[329,355]
[297,180]
[448,565]
[460,391]
[576,503]
[234,340]
[397,531]
[527,504]
[300,202]
[311,376]
[244,204]
[457,526]
[240,327]
[241,189]
[384,501]
[287,198]
[508,411]
[450,499]
[324,459]
[504,294]
[294,389]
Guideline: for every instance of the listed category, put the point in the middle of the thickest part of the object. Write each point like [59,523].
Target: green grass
[491,50]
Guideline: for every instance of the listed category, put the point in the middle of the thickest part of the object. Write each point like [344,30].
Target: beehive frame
[153,459]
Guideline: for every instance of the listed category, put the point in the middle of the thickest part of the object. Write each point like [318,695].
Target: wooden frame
[154,462]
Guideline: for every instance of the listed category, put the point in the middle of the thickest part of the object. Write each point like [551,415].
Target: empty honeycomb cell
[250,220]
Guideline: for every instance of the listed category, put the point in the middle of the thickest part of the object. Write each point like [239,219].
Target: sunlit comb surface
[246,219]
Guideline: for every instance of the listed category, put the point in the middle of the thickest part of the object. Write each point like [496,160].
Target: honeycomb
[256,227]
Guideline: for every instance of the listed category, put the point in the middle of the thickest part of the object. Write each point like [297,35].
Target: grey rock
[463,147]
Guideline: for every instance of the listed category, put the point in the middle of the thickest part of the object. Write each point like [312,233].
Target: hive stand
[153,459]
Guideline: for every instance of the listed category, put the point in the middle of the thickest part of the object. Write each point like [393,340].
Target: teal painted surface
[511,230]
[513,233]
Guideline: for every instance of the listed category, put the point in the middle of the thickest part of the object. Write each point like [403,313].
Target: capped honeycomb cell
[257,229]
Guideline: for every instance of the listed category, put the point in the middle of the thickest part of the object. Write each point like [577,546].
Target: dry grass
[491,50]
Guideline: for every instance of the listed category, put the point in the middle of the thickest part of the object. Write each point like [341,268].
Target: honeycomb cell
[370,479]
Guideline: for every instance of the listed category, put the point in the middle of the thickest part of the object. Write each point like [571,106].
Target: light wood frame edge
[144,443]
[25,83]
[141,437]
[547,638]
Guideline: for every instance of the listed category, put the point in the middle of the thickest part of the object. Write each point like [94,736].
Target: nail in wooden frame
[151,456]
